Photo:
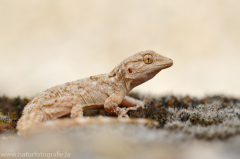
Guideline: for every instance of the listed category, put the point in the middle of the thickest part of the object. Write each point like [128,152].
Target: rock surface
[189,128]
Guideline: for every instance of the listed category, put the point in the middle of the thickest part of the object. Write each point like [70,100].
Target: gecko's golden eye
[148,59]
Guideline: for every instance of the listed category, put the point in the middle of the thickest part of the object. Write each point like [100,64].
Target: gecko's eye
[148,59]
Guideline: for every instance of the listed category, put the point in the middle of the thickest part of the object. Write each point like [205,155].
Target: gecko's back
[91,91]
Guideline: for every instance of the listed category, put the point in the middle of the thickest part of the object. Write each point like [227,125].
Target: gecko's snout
[167,63]
[170,62]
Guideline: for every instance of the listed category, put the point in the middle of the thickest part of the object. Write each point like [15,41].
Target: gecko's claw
[123,116]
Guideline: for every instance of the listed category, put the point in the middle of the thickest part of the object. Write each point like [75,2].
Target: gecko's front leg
[111,105]
[112,102]
[132,102]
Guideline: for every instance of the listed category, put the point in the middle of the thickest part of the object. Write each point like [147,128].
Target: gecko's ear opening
[130,70]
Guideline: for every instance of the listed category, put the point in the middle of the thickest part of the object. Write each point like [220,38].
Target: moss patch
[212,117]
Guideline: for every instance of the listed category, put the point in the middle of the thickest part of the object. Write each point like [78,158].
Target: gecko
[106,91]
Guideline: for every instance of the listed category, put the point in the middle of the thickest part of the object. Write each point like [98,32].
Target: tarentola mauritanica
[96,92]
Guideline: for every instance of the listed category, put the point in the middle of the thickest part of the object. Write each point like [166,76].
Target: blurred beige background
[44,43]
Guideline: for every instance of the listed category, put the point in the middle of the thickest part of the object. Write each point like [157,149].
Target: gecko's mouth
[168,64]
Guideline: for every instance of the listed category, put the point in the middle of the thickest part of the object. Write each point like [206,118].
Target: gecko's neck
[118,75]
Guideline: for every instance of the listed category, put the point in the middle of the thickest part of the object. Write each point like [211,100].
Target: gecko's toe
[132,108]
[145,99]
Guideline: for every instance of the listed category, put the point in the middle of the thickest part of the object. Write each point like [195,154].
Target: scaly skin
[96,92]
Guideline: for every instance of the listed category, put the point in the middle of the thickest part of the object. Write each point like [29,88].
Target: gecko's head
[143,66]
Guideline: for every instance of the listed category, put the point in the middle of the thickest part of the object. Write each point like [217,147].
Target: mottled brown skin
[96,92]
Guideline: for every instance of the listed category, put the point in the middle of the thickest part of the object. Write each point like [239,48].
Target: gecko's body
[96,92]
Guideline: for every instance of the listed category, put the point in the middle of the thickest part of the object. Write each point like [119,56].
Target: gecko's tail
[66,123]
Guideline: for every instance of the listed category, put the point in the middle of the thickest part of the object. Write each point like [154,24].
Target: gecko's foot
[141,104]
[123,113]
[125,110]
[145,99]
